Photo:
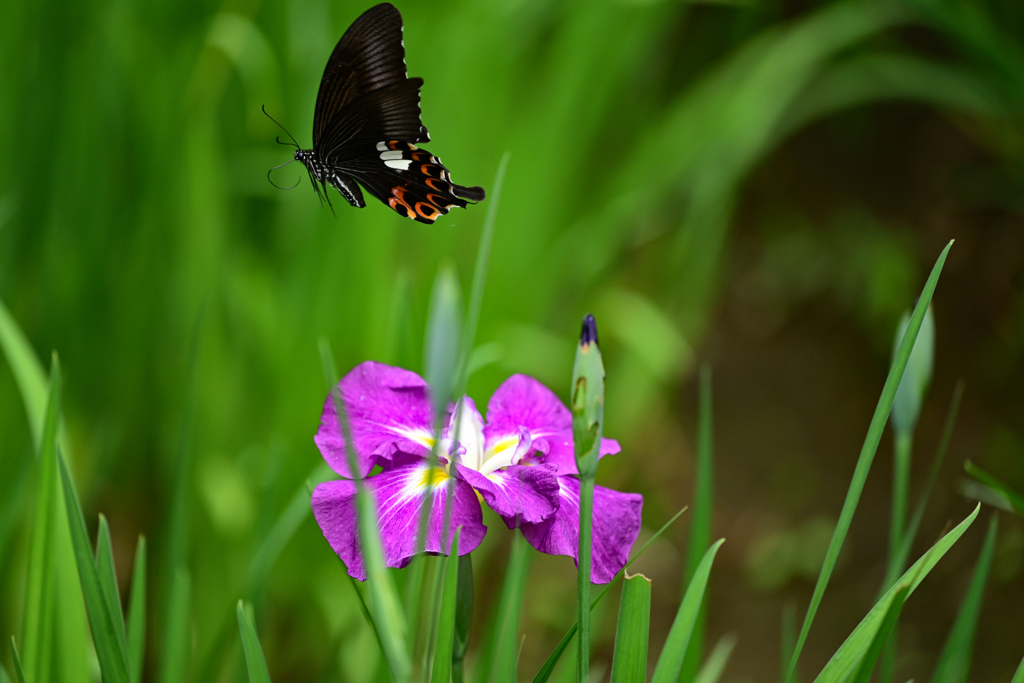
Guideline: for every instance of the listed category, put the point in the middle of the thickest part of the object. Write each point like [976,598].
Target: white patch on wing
[391,154]
[381,146]
[400,164]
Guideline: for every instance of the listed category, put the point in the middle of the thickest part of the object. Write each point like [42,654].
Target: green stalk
[902,446]
[587,393]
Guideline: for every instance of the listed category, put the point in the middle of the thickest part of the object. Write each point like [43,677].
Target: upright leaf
[885,631]
[18,671]
[712,669]
[629,659]
[955,660]
[867,455]
[500,660]
[848,656]
[700,526]
[109,650]
[670,661]
[108,580]
[442,669]
[137,613]
[255,662]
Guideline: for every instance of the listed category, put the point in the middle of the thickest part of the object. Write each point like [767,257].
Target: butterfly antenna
[264,108]
[278,186]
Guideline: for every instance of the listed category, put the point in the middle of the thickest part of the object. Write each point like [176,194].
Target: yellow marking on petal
[481,499]
[440,476]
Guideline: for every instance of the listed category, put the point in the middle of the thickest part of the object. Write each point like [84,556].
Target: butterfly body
[367,122]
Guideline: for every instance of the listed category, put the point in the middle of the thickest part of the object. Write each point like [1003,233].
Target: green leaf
[549,664]
[176,641]
[629,659]
[443,338]
[700,526]
[897,563]
[845,660]
[18,671]
[670,662]
[463,616]
[108,580]
[38,630]
[955,660]
[109,650]
[1019,676]
[892,616]
[867,455]
[4,676]
[712,670]
[137,613]
[788,636]
[388,616]
[1015,499]
[255,662]
[29,374]
[476,291]
[442,668]
[500,661]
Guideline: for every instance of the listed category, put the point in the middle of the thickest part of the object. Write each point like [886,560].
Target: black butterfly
[366,122]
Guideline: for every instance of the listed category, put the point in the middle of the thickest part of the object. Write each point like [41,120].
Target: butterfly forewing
[370,56]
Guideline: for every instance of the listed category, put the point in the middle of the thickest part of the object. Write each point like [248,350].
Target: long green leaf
[483,257]
[549,664]
[629,659]
[4,676]
[38,630]
[500,661]
[849,654]
[1019,676]
[176,648]
[712,669]
[255,662]
[18,670]
[29,374]
[892,616]
[442,668]
[388,616]
[108,580]
[463,616]
[112,657]
[137,613]
[700,525]
[955,660]
[670,661]
[867,455]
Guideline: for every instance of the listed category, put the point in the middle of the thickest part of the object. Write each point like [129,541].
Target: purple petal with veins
[388,410]
[616,526]
[518,494]
[398,495]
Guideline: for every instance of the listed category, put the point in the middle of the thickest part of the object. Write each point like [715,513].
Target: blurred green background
[759,184]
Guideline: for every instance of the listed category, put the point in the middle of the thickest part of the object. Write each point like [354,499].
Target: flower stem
[583,601]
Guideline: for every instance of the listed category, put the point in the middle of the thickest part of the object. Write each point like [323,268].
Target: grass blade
[892,617]
[108,580]
[137,613]
[700,526]
[463,616]
[897,563]
[388,616]
[4,676]
[629,659]
[29,374]
[476,291]
[1015,499]
[18,671]
[176,628]
[38,630]
[501,662]
[442,658]
[867,455]
[255,662]
[955,660]
[112,657]
[671,659]
[549,664]
[788,636]
[1019,676]
[850,653]
[712,670]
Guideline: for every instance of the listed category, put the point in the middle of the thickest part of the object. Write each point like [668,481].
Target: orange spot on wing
[438,185]
[427,211]
[398,203]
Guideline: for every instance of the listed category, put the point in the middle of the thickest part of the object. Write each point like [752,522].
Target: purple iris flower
[520,462]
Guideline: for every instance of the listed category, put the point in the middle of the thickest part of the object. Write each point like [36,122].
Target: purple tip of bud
[589,332]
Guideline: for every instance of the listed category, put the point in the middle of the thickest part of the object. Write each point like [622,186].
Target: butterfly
[366,126]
